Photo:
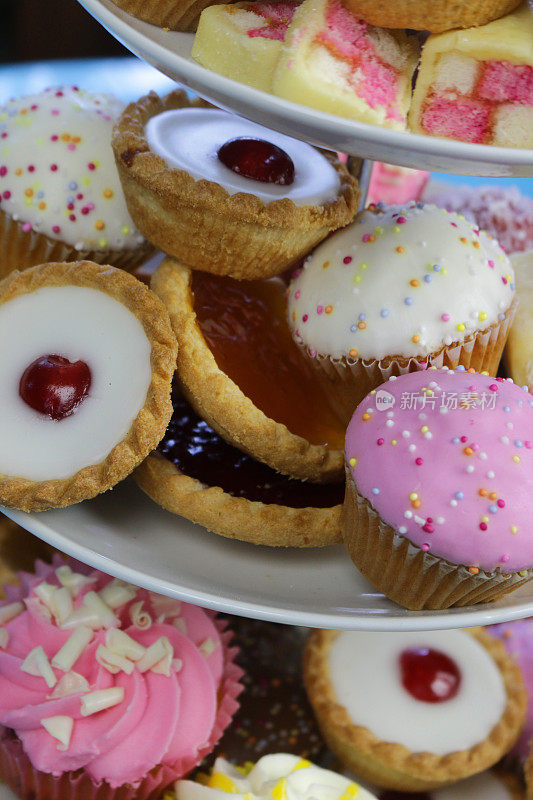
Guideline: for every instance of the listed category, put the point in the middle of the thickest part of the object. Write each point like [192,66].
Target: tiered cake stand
[125,534]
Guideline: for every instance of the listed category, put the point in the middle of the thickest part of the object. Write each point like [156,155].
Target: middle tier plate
[125,534]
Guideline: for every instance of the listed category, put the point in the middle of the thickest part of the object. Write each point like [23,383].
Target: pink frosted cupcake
[107,690]
[439,485]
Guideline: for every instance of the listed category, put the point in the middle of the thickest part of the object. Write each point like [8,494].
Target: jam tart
[414,711]
[198,475]
[85,389]
[222,194]
[243,373]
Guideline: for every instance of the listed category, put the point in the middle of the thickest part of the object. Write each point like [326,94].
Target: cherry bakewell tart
[225,195]
[84,384]
[431,15]
[241,370]
[413,711]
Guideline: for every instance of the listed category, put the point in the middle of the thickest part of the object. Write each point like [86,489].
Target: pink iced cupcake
[439,488]
[107,690]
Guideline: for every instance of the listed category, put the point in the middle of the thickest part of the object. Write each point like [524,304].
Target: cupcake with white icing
[414,711]
[60,195]
[400,287]
[222,194]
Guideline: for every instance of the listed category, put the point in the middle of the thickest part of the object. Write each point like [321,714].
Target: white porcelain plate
[169,52]
[126,535]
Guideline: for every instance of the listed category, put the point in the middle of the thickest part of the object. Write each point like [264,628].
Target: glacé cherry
[258,159]
[55,386]
[429,675]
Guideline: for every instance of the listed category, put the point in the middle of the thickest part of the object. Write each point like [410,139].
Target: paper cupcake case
[352,380]
[29,783]
[21,248]
[408,575]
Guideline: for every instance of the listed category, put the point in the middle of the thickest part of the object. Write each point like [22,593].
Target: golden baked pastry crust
[219,401]
[236,517]
[430,15]
[199,223]
[175,15]
[150,423]
[20,249]
[408,575]
[392,765]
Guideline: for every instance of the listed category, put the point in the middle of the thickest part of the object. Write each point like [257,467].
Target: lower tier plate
[126,535]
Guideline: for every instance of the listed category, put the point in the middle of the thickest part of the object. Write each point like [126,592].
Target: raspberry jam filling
[197,451]
[258,160]
[55,386]
[347,40]
[429,675]
[469,111]
[277,18]
[244,324]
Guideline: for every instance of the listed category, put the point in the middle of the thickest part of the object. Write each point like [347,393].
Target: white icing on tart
[190,138]
[57,170]
[78,323]
[404,282]
[366,679]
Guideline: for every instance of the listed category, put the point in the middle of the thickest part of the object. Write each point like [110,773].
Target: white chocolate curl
[141,619]
[181,625]
[73,581]
[123,645]
[93,612]
[70,683]
[58,601]
[117,593]
[67,656]
[4,638]
[207,647]
[165,606]
[112,662]
[36,663]
[159,650]
[60,727]
[101,699]
[10,611]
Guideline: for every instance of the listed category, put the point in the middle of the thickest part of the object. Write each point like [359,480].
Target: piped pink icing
[278,17]
[448,463]
[518,640]
[348,39]
[395,185]
[162,720]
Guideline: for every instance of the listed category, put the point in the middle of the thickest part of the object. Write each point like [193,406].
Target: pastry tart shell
[391,765]
[150,424]
[408,575]
[236,517]
[20,249]
[431,15]
[199,223]
[174,15]
[222,404]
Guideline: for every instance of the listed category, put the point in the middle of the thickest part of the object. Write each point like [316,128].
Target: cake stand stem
[361,168]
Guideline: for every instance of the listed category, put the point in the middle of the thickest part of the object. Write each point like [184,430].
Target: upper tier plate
[126,535]
[170,52]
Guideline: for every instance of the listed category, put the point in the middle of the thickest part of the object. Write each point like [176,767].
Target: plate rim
[380,621]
